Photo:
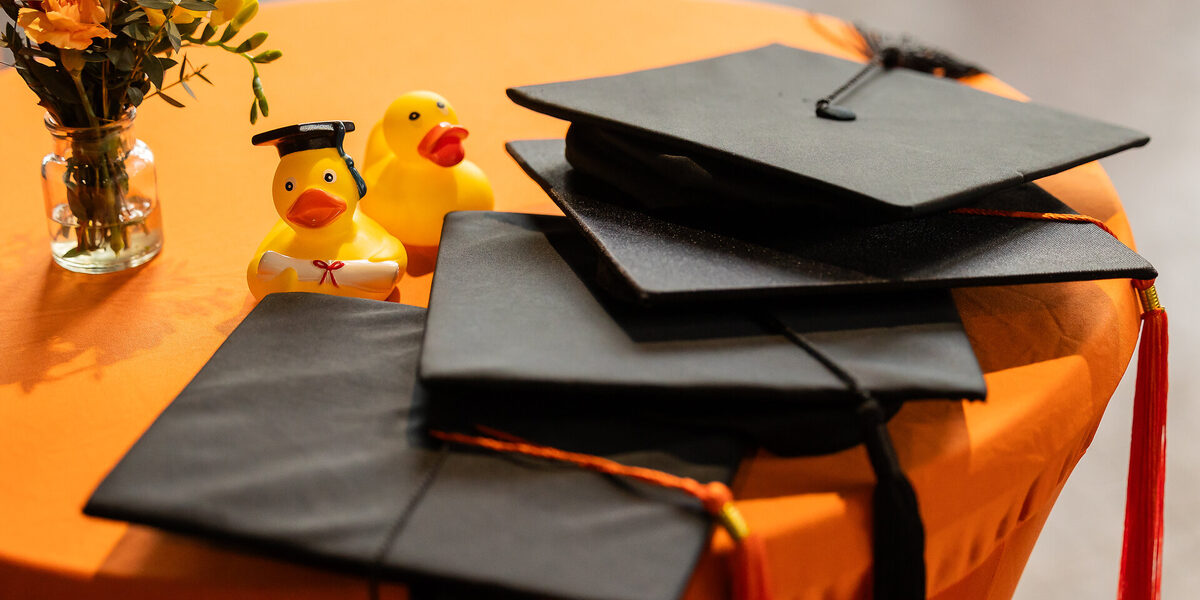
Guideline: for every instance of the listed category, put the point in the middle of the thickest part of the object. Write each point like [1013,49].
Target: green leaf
[253,112]
[230,31]
[135,96]
[208,33]
[34,51]
[263,107]
[187,29]
[256,86]
[157,4]
[252,42]
[162,45]
[173,35]
[268,56]
[187,88]
[202,77]
[73,252]
[200,5]
[170,100]
[154,71]
[10,8]
[57,83]
[129,17]
[121,58]
[139,30]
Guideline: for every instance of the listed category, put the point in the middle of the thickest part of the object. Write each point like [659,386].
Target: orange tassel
[1141,552]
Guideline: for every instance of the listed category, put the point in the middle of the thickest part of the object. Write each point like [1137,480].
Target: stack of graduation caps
[689,308]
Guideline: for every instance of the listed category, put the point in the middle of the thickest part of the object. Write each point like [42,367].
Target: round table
[89,361]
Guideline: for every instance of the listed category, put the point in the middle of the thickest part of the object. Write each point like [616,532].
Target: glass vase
[101,196]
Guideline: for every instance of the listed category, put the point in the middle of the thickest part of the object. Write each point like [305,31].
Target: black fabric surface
[301,438]
[718,255]
[515,328]
[920,143]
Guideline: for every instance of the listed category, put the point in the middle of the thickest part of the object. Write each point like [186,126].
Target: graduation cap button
[833,112]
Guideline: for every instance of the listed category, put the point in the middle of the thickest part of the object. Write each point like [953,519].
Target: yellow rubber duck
[416,169]
[322,242]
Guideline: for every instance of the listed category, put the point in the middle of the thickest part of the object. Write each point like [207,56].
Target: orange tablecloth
[87,362]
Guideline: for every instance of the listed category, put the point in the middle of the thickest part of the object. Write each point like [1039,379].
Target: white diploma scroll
[372,277]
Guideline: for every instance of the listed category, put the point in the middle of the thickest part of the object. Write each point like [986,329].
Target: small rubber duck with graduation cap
[322,243]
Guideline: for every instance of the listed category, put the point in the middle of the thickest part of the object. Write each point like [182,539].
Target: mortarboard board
[696,254]
[514,307]
[313,136]
[516,326]
[920,143]
[302,438]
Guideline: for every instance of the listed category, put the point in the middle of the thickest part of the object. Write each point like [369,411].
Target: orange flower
[66,24]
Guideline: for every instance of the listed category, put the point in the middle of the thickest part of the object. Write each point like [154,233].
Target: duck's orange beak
[443,144]
[315,208]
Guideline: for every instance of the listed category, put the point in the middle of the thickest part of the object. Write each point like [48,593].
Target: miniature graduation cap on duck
[322,242]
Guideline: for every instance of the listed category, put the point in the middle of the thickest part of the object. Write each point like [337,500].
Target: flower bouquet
[91,63]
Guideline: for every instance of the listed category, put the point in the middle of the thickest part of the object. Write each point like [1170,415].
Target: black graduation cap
[742,128]
[303,438]
[697,254]
[312,136]
[515,307]
[518,326]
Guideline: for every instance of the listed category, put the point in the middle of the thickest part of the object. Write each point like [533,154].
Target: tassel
[748,563]
[898,547]
[899,544]
[1141,552]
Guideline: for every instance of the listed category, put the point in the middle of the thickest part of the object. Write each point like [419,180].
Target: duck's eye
[330,176]
[441,105]
[414,115]
[289,185]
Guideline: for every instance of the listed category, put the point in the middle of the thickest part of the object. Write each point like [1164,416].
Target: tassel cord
[750,576]
[1141,547]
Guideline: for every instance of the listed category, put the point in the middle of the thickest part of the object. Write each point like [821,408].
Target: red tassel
[748,563]
[1141,552]
[749,566]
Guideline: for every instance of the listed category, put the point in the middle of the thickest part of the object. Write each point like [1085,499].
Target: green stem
[104,182]
[171,85]
[87,104]
[104,78]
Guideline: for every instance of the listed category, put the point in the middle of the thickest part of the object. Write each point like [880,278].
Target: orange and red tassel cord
[748,562]
[1141,550]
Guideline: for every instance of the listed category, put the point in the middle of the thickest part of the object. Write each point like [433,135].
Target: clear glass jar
[101,197]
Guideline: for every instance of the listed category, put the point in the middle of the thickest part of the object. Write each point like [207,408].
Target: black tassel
[899,534]
[899,544]
[907,53]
